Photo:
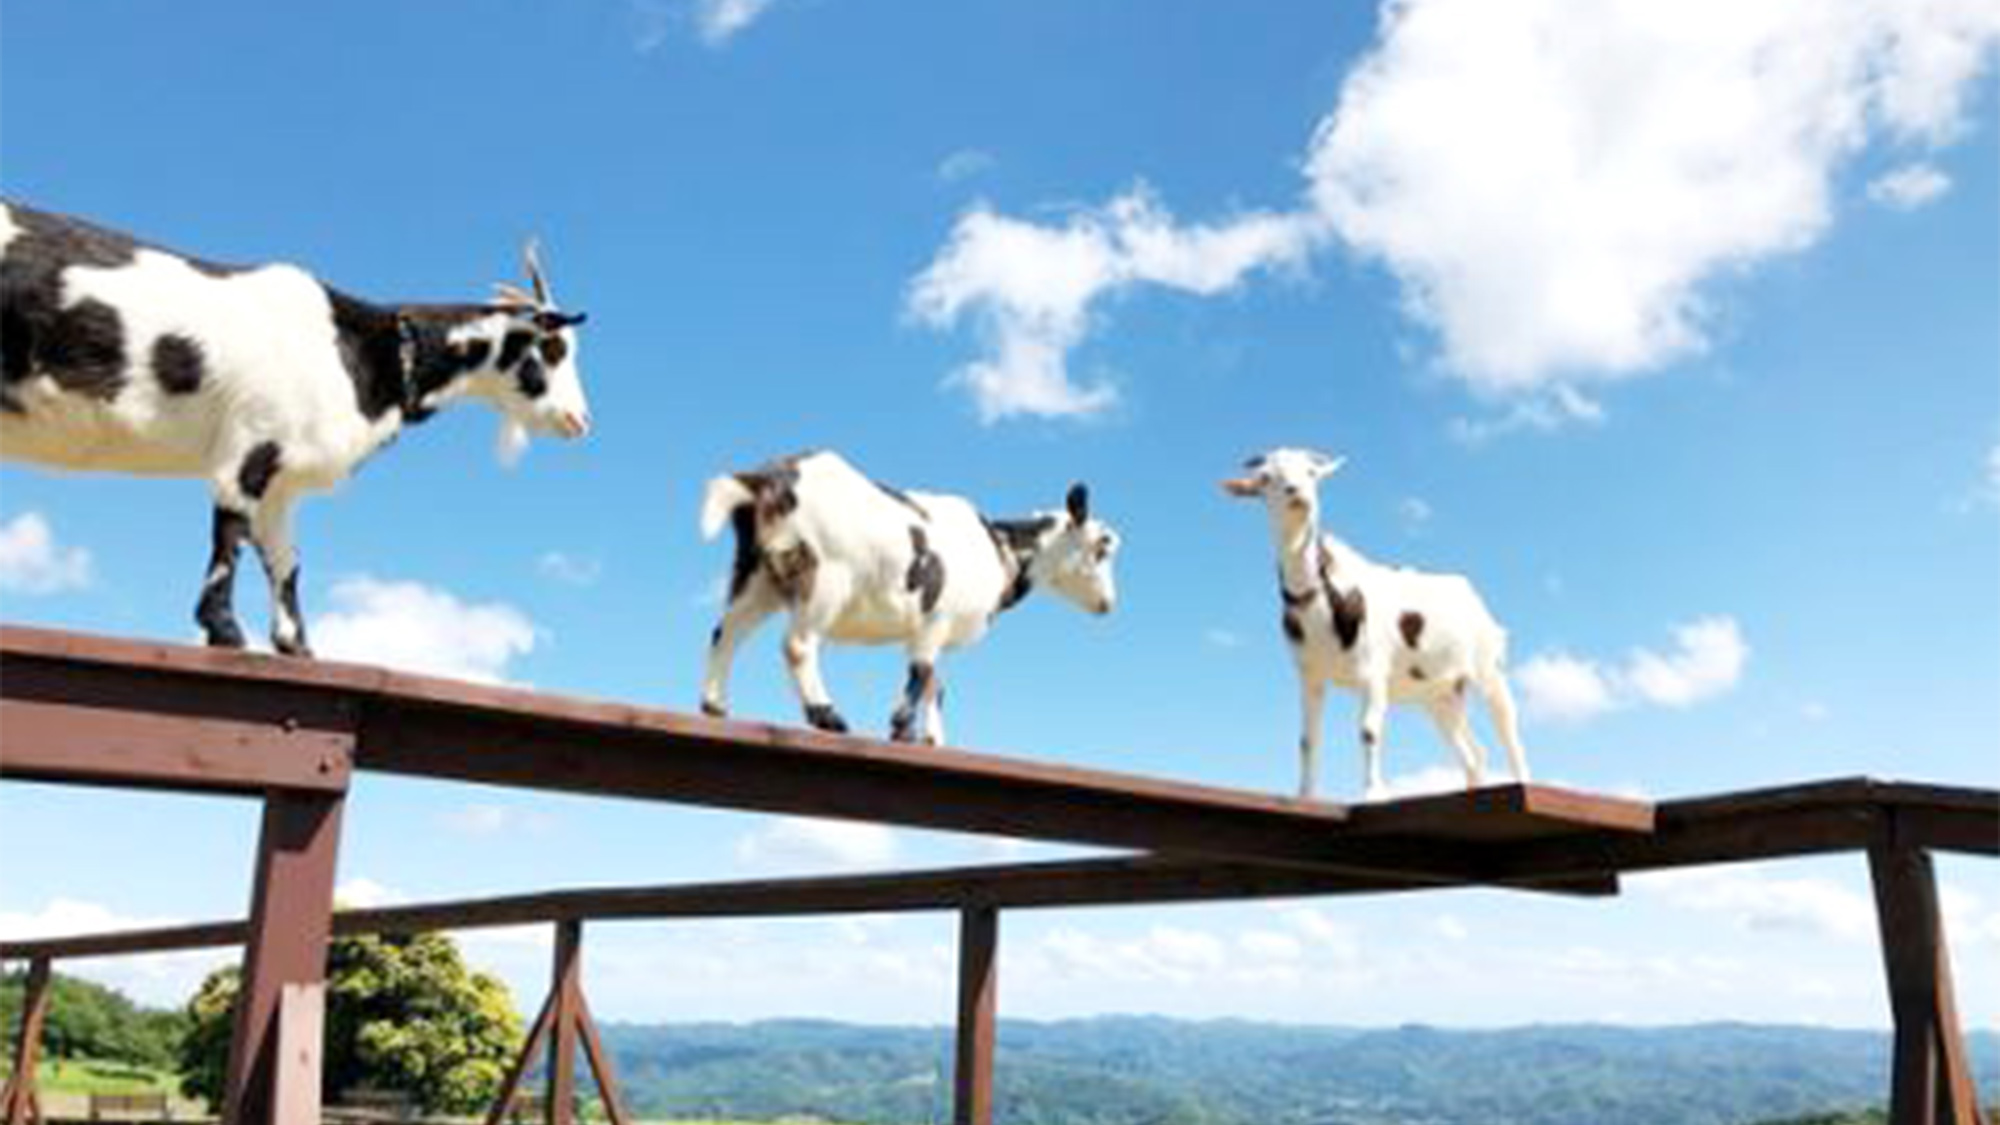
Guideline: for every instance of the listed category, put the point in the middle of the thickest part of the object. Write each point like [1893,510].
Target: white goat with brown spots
[860,562]
[1391,634]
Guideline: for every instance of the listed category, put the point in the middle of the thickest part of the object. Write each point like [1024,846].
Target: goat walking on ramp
[1392,634]
[261,380]
[860,562]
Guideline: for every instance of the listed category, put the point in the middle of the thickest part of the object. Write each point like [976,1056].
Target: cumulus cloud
[421,628]
[1909,187]
[1029,288]
[813,843]
[362,893]
[1707,660]
[159,979]
[1556,185]
[1553,181]
[32,562]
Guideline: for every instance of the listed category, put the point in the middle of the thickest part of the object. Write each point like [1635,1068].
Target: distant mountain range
[1149,1071]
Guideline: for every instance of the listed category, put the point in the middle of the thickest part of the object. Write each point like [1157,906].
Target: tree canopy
[90,1021]
[403,1013]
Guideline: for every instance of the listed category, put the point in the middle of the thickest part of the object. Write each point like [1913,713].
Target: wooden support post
[978,942]
[536,1033]
[291,912]
[600,1064]
[21,1101]
[566,996]
[1931,1079]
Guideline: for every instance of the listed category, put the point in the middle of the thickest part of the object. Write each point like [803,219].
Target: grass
[88,1076]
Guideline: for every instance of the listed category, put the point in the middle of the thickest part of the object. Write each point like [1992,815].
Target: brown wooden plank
[567,989]
[600,1063]
[511,1083]
[1060,883]
[978,1008]
[296,1071]
[101,724]
[290,916]
[1931,1074]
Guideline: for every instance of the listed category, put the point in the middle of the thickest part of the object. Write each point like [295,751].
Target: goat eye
[553,349]
[533,383]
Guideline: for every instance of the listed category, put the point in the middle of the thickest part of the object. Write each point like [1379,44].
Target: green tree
[90,1021]
[403,1013]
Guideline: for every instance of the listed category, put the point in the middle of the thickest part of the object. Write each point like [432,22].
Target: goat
[261,380]
[1392,634]
[860,562]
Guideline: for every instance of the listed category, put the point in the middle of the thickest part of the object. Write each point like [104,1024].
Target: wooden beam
[978,1006]
[1931,1077]
[299,1052]
[600,1063]
[143,727]
[566,989]
[22,1098]
[511,1084]
[1060,883]
[290,918]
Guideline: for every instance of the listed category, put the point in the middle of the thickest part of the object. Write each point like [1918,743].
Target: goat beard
[512,444]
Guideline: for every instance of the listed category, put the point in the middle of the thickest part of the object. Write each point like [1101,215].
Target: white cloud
[719,21]
[1540,412]
[1909,187]
[362,893]
[158,979]
[1030,289]
[570,570]
[1707,660]
[1556,184]
[813,843]
[1554,181]
[1563,687]
[32,562]
[965,164]
[1222,638]
[1757,902]
[1427,781]
[422,629]
[1450,927]
[1415,515]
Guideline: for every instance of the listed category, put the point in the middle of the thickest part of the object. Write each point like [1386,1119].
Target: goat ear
[1324,466]
[1078,503]
[1243,487]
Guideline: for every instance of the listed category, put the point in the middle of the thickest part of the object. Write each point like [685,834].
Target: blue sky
[1673,326]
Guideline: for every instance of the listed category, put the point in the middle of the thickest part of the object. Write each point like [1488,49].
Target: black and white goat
[1392,634]
[860,562]
[261,380]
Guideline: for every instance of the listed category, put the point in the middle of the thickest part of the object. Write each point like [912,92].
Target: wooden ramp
[100,711]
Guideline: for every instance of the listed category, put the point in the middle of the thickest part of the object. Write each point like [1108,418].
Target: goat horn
[532,255]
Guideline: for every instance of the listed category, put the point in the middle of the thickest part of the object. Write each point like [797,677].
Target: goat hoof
[298,648]
[902,727]
[714,710]
[223,635]
[824,717]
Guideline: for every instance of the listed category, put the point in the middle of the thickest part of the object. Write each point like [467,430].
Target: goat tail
[723,496]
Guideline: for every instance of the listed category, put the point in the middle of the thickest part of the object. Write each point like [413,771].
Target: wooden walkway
[98,711]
